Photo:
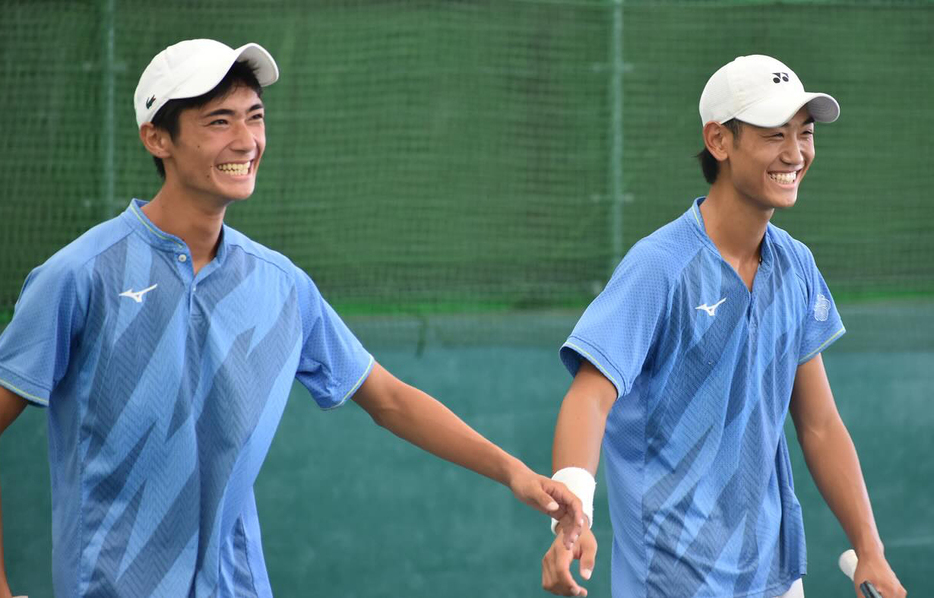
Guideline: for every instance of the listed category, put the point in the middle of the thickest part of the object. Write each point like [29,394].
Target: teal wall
[349,510]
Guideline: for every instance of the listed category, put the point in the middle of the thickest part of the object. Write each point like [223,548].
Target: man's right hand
[556,565]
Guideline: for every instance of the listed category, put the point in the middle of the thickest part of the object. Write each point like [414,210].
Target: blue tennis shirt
[164,390]
[699,480]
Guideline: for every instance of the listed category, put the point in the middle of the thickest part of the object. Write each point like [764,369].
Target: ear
[157,141]
[718,139]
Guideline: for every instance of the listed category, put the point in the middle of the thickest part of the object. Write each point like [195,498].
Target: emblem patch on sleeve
[821,308]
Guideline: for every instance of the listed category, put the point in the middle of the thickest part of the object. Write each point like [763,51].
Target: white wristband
[581,483]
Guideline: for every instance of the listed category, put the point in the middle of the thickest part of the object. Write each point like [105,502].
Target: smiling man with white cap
[165,343]
[708,333]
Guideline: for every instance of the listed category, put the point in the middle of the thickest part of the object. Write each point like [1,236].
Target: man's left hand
[878,571]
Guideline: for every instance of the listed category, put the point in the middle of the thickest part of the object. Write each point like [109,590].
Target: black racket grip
[869,590]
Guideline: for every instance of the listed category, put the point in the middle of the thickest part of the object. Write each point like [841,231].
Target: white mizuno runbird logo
[711,309]
[137,295]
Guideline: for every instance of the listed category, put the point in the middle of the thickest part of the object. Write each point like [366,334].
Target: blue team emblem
[821,308]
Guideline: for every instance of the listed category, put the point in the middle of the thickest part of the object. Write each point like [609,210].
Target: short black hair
[709,165]
[241,73]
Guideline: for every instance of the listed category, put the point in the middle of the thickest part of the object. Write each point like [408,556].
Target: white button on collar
[183,258]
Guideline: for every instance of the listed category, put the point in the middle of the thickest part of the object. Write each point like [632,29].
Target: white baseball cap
[761,91]
[194,67]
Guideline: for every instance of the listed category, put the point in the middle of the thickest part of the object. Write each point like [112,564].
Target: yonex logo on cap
[149,102]
[779,78]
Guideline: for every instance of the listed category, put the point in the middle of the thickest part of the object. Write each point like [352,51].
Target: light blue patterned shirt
[164,390]
[699,480]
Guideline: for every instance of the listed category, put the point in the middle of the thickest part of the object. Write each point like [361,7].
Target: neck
[735,226]
[196,221]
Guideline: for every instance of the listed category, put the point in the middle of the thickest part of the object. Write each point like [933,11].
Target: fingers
[886,591]
[556,500]
[556,571]
[882,578]
[569,506]
[544,502]
[891,589]
[588,555]
[572,530]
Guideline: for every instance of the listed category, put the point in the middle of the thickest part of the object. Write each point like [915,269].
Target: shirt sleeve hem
[823,346]
[599,361]
[355,387]
[23,388]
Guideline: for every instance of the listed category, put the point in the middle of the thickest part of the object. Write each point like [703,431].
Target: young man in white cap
[685,366]
[164,345]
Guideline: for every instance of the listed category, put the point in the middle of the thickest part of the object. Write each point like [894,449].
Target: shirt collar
[156,237]
[696,220]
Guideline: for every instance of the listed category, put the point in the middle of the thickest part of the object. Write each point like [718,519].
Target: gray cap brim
[778,110]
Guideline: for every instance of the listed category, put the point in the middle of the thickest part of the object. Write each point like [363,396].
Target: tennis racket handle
[848,562]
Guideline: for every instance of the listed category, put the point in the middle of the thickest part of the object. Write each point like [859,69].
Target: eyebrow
[809,121]
[228,112]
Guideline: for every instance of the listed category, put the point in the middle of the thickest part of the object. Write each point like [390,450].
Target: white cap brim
[777,110]
[204,71]
[265,67]
[212,73]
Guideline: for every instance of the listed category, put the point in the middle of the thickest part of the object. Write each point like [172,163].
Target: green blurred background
[460,178]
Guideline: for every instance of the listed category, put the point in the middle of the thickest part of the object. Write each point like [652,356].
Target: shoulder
[238,242]
[675,243]
[263,257]
[663,255]
[790,251]
[77,256]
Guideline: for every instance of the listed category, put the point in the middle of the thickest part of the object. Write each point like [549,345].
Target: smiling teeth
[784,177]
[234,168]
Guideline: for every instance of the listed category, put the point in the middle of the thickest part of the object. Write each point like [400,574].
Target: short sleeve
[333,363]
[618,329]
[36,346]
[822,324]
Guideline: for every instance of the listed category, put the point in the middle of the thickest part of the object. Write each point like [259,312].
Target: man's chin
[786,203]
[241,194]
[781,201]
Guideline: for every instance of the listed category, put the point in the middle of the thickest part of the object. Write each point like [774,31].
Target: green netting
[468,172]
[443,157]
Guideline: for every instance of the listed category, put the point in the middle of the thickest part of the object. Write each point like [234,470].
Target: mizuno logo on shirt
[137,295]
[711,309]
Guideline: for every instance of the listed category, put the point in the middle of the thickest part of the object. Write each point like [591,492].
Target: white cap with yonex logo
[194,67]
[761,91]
